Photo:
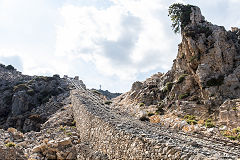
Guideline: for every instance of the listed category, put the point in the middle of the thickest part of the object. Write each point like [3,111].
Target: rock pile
[57,139]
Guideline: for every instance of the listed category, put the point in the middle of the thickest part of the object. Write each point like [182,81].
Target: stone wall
[117,136]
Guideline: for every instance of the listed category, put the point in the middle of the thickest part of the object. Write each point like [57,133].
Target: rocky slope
[203,81]
[27,101]
[36,117]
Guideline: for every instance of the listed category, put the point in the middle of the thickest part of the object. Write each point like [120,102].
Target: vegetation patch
[183,96]
[182,78]
[150,114]
[20,87]
[144,118]
[73,123]
[10,144]
[190,119]
[233,134]
[141,104]
[169,86]
[69,134]
[209,123]
[180,16]
[62,128]
[160,110]
[215,81]
[234,108]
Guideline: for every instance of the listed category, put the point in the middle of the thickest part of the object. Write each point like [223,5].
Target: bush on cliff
[180,16]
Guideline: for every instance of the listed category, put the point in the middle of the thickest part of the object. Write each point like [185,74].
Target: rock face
[26,101]
[205,74]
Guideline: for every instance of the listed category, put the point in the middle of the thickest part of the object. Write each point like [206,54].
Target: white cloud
[108,42]
[119,39]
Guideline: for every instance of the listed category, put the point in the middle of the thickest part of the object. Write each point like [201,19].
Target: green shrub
[233,134]
[215,81]
[180,16]
[169,86]
[190,119]
[74,123]
[209,123]
[62,128]
[150,114]
[20,87]
[108,102]
[232,137]
[236,130]
[182,96]
[68,133]
[141,104]
[160,110]
[10,144]
[182,78]
[144,118]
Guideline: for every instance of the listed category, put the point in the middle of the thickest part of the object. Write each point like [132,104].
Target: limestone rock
[205,74]
[65,142]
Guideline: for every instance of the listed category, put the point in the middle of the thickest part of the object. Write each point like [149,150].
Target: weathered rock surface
[57,139]
[204,75]
[26,102]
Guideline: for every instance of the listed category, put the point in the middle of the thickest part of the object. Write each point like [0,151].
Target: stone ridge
[119,136]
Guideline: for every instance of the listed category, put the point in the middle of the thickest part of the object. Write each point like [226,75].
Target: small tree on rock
[180,16]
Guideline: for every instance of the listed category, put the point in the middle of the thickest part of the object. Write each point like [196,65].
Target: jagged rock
[196,16]
[65,142]
[205,73]
[230,113]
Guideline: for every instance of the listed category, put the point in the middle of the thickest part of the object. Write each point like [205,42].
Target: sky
[111,43]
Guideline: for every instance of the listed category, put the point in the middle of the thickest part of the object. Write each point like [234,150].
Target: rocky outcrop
[204,74]
[230,113]
[27,101]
